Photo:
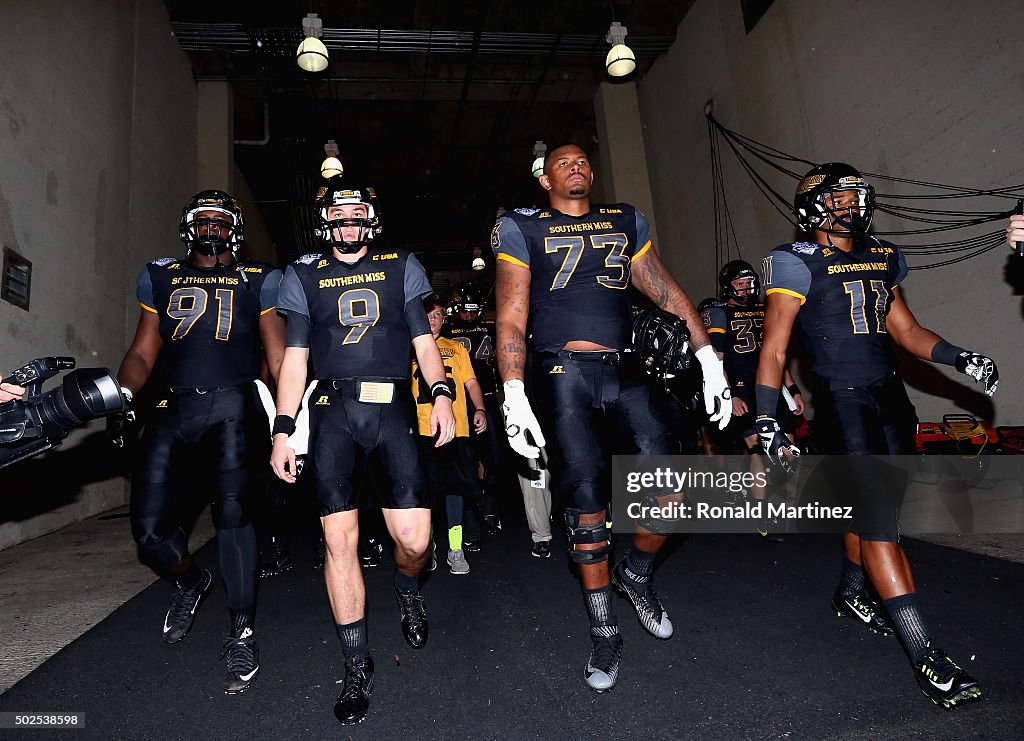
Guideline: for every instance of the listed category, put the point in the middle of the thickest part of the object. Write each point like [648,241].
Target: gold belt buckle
[376,392]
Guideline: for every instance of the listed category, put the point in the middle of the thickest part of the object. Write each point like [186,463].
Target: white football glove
[521,421]
[717,394]
[298,440]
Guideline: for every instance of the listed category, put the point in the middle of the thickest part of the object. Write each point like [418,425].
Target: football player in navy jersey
[735,327]
[562,277]
[842,291]
[476,334]
[356,309]
[202,324]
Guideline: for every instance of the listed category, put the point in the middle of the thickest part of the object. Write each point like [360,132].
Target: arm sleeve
[416,318]
[643,236]
[901,268]
[297,329]
[268,293]
[416,284]
[508,242]
[786,273]
[715,323]
[291,298]
[144,290]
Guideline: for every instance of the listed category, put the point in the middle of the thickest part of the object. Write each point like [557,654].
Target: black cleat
[354,700]
[541,549]
[864,609]
[182,612]
[493,524]
[638,590]
[944,682]
[372,554]
[414,618]
[602,670]
[277,561]
[243,662]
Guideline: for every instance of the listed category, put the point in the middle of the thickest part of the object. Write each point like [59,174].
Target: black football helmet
[812,212]
[337,194]
[735,270]
[203,234]
[662,342]
[467,297]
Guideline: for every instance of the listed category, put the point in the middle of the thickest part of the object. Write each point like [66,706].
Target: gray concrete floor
[54,588]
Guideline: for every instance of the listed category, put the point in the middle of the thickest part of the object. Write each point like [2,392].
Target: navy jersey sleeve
[291,297]
[269,291]
[144,290]
[416,284]
[416,318]
[716,325]
[508,242]
[786,273]
[901,269]
[643,236]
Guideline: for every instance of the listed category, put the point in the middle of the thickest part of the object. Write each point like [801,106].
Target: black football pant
[216,442]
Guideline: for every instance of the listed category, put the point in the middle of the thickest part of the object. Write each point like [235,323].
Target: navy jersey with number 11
[845,299]
[580,269]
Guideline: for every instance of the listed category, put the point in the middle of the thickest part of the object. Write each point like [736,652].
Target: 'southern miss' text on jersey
[737,332]
[580,270]
[209,319]
[360,314]
[845,299]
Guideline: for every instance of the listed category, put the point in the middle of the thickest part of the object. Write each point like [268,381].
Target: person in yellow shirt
[451,469]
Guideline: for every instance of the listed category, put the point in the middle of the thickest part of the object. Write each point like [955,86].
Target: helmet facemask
[221,227]
[852,219]
[330,230]
[733,271]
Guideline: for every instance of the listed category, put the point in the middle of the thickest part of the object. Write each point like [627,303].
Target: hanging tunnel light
[539,150]
[478,260]
[312,54]
[620,60]
[332,165]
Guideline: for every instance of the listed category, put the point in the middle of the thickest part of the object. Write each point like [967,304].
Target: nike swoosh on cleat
[250,675]
[859,614]
[167,627]
[945,686]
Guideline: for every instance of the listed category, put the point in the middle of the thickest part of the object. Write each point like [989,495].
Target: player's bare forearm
[291,381]
[780,313]
[513,299]
[652,278]
[902,326]
[138,362]
[429,358]
[272,333]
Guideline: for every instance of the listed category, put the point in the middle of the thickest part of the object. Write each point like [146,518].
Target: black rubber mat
[757,654]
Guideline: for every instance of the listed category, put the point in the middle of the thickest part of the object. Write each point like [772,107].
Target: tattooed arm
[512,294]
[651,278]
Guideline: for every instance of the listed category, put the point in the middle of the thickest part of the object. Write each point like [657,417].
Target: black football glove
[776,444]
[979,367]
[121,424]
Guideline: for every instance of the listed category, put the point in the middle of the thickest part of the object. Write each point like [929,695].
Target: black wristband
[945,354]
[767,400]
[283,424]
[441,388]
[793,389]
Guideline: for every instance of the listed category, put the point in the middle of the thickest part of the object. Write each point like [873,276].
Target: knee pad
[163,552]
[651,522]
[579,534]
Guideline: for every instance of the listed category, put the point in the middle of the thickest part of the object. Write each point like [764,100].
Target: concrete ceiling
[436,104]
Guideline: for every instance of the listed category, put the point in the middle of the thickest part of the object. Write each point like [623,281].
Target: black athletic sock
[639,564]
[353,639]
[906,617]
[852,579]
[599,609]
[242,619]
[406,584]
[189,578]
